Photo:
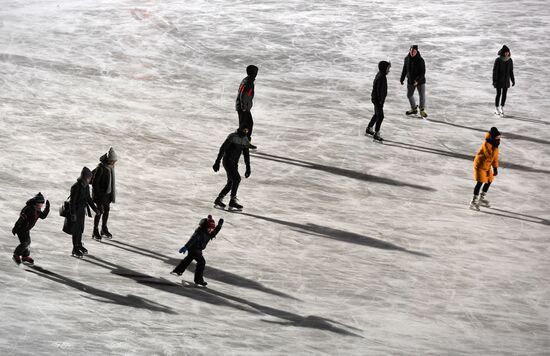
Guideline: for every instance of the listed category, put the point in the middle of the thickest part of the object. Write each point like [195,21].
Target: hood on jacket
[252,71]
[85,173]
[503,50]
[384,66]
[109,156]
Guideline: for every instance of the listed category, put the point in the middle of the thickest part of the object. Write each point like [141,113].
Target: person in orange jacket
[485,168]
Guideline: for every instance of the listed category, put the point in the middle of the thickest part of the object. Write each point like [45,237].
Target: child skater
[27,219]
[206,231]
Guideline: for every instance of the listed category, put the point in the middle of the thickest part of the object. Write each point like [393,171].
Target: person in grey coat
[503,73]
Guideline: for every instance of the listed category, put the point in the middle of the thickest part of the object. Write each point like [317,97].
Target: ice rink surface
[346,247]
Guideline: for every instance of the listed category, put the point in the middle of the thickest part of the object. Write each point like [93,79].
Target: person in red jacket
[485,168]
[27,219]
[244,103]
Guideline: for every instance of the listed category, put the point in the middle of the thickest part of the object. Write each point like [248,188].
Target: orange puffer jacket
[487,156]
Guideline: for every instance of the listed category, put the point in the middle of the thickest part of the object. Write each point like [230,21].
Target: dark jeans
[377,118]
[105,215]
[500,91]
[245,120]
[233,179]
[478,187]
[24,243]
[199,269]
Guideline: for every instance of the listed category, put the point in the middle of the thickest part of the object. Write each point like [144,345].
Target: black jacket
[80,202]
[245,95]
[503,72]
[29,215]
[414,69]
[100,183]
[380,85]
[235,144]
[201,237]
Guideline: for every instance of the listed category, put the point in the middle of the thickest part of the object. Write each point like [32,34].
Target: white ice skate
[474,204]
[502,111]
[484,202]
[497,111]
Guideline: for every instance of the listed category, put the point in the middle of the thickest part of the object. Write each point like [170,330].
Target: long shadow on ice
[101,295]
[339,235]
[517,216]
[208,295]
[409,146]
[210,273]
[339,171]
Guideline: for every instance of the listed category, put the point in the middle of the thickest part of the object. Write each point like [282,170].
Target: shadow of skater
[101,295]
[213,273]
[339,235]
[339,171]
[207,295]
[517,216]
[409,146]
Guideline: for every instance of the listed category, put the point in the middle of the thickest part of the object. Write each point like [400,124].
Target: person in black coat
[236,144]
[27,219]
[206,231]
[244,102]
[104,192]
[414,69]
[80,203]
[503,73]
[378,97]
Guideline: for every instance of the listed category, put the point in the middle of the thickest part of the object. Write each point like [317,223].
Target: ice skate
[414,110]
[17,259]
[484,202]
[474,204]
[377,138]
[96,235]
[201,283]
[176,273]
[83,249]
[105,233]
[423,113]
[369,131]
[497,111]
[27,260]
[218,203]
[502,111]
[234,205]
[251,146]
[76,253]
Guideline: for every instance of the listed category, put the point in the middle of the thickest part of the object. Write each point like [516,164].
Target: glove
[183,249]
[247,173]
[216,166]
[73,217]
[47,204]
[401,82]
[220,222]
[495,171]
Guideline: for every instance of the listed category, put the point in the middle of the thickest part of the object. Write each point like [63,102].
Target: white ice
[347,247]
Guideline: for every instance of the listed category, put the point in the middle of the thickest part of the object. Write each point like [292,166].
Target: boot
[27,260]
[484,202]
[219,202]
[233,204]
[96,235]
[369,132]
[105,232]
[414,110]
[423,113]
[474,204]
[17,259]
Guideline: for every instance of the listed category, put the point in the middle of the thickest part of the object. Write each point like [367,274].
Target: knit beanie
[494,132]
[111,155]
[85,173]
[39,198]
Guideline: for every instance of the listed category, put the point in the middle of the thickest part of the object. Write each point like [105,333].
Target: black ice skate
[369,131]
[251,147]
[218,203]
[96,235]
[76,253]
[377,138]
[413,111]
[105,232]
[83,249]
[17,259]
[176,273]
[27,260]
[201,283]
[234,205]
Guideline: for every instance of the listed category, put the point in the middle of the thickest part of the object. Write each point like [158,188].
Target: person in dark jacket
[104,192]
[503,73]
[236,144]
[80,203]
[414,69]
[206,231]
[244,101]
[378,97]
[27,219]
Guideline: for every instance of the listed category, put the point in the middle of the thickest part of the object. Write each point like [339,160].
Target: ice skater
[27,219]
[486,158]
[244,103]
[503,73]
[235,144]
[104,192]
[80,203]
[378,96]
[206,231]
[414,69]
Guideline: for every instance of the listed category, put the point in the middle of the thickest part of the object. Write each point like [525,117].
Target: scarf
[111,186]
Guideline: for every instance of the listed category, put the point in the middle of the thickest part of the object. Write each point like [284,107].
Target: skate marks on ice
[218,298]
[338,171]
[101,295]
[339,235]
[435,151]
[213,272]
[516,216]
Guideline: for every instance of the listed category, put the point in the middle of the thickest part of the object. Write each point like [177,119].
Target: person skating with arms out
[244,101]
[485,168]
[27,219]
[378,97]
[414,69]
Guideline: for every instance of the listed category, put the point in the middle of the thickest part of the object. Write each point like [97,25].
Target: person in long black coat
[206,231]
[80,203]
[27,219]
[104,192]
[378,97]
[503,73]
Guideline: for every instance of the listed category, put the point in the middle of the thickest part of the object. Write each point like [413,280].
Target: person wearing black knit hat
[486,158]
[503,73]
[80,203]
[414,69]
[27,219]
[244,102]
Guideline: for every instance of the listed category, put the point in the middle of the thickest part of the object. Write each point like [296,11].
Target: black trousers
[478,187]
[78,228]
[233,179]
[245,120]
[500,91]
[24,243]
[199,269]
[105,215]
[377,118]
